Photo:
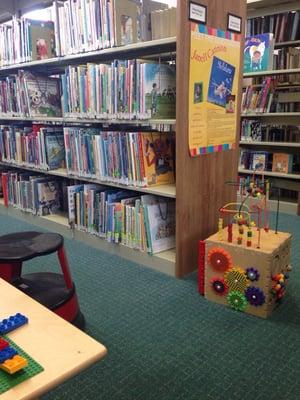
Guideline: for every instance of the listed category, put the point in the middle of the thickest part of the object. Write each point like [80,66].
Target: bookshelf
[200,187]
[287,91]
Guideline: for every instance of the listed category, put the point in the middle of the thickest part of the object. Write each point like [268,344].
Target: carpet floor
[165,342]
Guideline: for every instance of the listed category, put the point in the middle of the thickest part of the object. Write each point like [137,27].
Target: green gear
[237,300]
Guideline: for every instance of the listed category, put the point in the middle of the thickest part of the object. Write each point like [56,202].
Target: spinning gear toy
[255,296]
[252,274]
[219,259]
[237,300]
[219,286]
[236,279]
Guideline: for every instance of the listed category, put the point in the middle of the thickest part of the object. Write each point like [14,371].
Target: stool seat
[18,247]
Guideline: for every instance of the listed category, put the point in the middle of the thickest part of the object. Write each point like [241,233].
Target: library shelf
[163,262]
[89,121]
[57,64]
[290,43]
[269,173]
[168,190]
[273,144]
[271,114]
[286,207]
[272,72]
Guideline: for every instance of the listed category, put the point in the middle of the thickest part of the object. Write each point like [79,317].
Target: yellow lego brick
[14,364]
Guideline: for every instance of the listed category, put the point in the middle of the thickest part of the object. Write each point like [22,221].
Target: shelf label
[234,23]
[198,13]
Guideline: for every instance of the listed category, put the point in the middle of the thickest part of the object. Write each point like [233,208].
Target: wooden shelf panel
[273,144]
[135,50]
[162,190]
[269,173]
[162,262]
[272,72]
[271,115]
[290,43]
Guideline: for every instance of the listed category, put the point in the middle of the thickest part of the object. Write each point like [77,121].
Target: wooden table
[61,349]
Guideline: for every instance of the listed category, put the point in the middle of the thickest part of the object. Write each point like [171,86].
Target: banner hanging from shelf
[213,89]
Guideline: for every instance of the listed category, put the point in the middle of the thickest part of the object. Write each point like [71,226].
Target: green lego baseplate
[8,381]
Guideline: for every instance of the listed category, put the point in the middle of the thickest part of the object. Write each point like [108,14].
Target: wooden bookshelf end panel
[200,182]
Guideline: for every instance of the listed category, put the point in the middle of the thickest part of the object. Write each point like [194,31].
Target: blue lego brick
[7,353]
[11,323]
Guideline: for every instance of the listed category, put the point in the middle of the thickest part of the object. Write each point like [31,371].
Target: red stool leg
[9,272]
[65,267]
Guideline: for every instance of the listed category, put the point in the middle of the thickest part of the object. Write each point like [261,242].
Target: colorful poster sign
[213,89]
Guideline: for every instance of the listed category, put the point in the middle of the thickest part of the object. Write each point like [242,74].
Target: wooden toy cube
[248,279]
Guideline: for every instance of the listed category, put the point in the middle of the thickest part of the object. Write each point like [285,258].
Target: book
[282,163]
[259,161]
[258,52]
[42,95]
[158,158]
[127,14]
[161,225]
[148,7]
[159,90]
[41,38]
[48,197]
[221,82]
[54,148]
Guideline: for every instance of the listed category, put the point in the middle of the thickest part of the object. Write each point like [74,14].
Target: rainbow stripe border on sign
[212,149]
[215,32]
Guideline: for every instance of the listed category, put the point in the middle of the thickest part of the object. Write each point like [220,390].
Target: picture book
[41,39]
[221,82]
[161,220]
[282,163]
[127,15]
[48,197]
[259,161]
[159,84]
[258,52]
[55,149]
[42,95]
[158,156]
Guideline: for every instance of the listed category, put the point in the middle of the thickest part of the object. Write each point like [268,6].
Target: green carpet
[165,342]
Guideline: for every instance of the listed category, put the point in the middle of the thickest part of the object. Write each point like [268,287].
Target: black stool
[55,291]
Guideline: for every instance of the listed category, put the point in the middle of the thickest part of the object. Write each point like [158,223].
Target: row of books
[253,130]
[259,99]
[265,161]
[124,89]
[25,40]
[163,23]
[28,94]
[287,58]
[32,193]
[145,223]
[287,107]
[285,26]
[78,26]
[130,158]
[36,145]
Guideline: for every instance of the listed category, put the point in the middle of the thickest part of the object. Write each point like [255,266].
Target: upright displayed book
[258,52]
[127,14]
[159,90]
[282,162]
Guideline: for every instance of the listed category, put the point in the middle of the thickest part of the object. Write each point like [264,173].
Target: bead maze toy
[15,365]
[245,265]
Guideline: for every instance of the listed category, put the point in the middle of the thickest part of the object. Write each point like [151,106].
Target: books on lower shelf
[145,223]
[259,100]
[130,158]
[254,130]
[122,90]
[283,163]
[37,146]
[32,193]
